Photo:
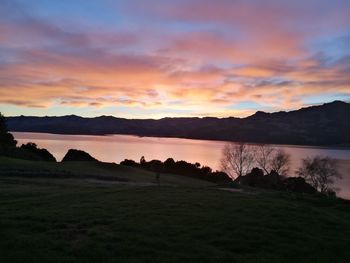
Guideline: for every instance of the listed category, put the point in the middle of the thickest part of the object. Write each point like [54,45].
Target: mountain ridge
[315,125]
[335,102]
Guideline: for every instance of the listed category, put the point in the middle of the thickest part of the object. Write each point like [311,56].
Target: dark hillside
[327,124]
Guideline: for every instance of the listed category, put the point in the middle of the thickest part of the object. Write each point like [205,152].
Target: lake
[116,148]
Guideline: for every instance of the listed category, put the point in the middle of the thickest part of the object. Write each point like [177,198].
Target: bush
[78,156]
[42,154]
[273,180]
[181,168]
[128,162]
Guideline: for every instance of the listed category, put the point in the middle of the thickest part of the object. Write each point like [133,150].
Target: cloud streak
[204,57]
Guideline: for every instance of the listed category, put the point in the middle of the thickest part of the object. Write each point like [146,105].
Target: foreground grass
[76,219]
[99,171]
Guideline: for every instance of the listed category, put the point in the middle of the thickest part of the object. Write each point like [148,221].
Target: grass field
[98,171]
[76,217]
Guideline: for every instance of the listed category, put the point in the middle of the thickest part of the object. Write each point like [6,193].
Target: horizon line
[183,117]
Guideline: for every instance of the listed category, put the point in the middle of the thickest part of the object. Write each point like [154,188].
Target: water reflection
[115,148]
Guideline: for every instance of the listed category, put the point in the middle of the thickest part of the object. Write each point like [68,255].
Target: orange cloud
[220,54]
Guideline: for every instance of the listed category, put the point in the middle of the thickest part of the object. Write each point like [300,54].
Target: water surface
[115,148]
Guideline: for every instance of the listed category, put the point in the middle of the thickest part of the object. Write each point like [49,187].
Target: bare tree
[264,157]
[269,158]
[320,172]
[280,162]
[237,159]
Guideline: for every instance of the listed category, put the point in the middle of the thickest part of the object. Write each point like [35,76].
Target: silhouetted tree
[7,140]
[237,159]
[180,168]
[205,169]
[29,146]
[264,157]
[127,162]
[169,164]
[320,172]
[270,159]
[280,162]
[3,127]
[155,165]
[42,154]
[254,178]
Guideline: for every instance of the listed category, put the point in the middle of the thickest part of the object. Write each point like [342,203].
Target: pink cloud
[230,51]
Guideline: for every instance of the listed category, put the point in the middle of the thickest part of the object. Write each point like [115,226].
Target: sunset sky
[151,59]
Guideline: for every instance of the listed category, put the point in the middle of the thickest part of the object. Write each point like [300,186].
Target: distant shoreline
[316,126]
[335,147]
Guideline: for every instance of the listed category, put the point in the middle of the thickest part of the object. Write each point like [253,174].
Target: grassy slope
[9,166]
[77,220]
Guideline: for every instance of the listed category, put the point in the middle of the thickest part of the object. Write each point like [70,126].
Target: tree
[31,146]
[42,154]
[142,161]
[268,158]
[237,159]
[6,139]
[280,162]
[265,156]
[320,172]
[3,127]
[169,164]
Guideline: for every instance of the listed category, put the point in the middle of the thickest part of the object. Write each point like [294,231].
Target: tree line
[238,160]
[194,170]
[28,151]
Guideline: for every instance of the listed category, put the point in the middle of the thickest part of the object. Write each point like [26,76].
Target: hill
[75,212]
[325,125]
[104,173]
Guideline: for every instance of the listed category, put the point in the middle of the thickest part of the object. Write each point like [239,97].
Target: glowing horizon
[167,58]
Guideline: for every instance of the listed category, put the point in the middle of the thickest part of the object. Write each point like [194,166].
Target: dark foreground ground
[89,220]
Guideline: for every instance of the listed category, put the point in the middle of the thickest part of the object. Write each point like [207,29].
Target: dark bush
[128,162]
[169,164]
[298,184]
[42,154]
[273,180]
[255,178]
[78,156]
[181,168]
[7,141]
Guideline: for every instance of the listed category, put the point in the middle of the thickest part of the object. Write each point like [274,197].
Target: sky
[154,59]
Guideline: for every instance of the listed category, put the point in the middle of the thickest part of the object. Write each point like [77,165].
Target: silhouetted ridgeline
[327,124]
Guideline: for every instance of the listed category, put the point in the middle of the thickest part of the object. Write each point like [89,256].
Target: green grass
[80,220]
[103,171]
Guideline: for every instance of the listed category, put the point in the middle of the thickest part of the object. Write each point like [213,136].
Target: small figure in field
[158,178]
